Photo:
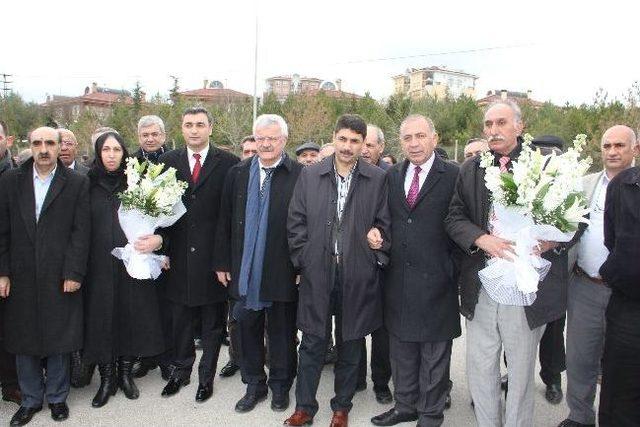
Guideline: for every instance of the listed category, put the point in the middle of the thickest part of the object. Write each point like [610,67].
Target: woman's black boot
[125,377]
[108,385]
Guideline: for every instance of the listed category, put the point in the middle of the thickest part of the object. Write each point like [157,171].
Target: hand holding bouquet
[153,199]
[541,200]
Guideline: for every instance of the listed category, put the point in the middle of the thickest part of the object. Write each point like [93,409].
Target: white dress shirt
[263,174]
[592,252]
[425,168]
[41,188]
[192,160]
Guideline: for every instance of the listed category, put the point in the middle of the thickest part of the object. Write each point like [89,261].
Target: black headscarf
[116,180]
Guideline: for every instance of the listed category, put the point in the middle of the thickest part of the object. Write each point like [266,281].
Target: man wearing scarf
[151,137]
[252,258]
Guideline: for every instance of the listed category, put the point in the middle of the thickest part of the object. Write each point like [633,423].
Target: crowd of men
[340,243]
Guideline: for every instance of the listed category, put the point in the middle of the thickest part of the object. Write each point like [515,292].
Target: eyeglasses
[268,138]
[67,143]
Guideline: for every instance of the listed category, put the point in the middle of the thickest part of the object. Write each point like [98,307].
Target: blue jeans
[34,384]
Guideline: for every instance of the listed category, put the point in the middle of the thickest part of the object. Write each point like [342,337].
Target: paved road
[152,410]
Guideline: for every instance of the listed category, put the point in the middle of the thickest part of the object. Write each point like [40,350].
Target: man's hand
[5,286]
[495,246]
[166,263]
[544,246]
[374,238]
[149,243]
[70,286]
[224,277]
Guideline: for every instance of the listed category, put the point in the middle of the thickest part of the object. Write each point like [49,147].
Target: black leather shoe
[204,392]
[173,386]
[125,378]
[229,369]
[570,423]
[554,394]
[23,416]
[59,411]
[447,401]
[383,395]
[142,366]
[393,417]
[249,401]
[280,402]
[166,371]
[108,385]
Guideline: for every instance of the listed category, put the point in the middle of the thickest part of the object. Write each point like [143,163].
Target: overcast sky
[561,50]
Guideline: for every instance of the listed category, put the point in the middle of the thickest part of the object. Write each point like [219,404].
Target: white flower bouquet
[541,200]
[153,199]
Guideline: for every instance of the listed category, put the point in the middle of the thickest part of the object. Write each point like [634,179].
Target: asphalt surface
[181,410]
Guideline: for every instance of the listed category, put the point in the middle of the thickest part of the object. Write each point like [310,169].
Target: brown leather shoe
[12,395]
[299,418]
[340,419]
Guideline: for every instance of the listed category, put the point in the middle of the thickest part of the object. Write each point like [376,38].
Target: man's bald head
[619,146]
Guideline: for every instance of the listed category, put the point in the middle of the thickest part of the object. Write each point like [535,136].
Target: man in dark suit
[191,287]
[380,365]
[44,241]
[420,290]
[68,151]
[335,204]
[8,376]
[496,320]
[252,256]
[151,137]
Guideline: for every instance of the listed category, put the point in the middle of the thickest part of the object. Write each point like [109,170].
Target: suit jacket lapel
[182,166]
[213,157]
[401,174]
[28,202]
[59,180]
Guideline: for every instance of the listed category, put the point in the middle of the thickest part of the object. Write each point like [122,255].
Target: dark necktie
[414,189]
[268,172]
[195,174]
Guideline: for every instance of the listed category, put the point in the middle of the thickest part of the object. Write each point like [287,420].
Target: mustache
[346,152]
[496,138]
[43,156]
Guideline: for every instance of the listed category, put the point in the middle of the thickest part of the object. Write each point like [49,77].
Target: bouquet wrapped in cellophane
[153,199]
[541,200]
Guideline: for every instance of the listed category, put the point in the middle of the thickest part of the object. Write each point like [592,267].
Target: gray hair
[379,134]
[146,121]
[413,117]
[265,120]
[517,112]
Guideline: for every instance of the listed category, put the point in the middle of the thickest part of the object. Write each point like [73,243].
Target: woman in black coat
[122,314]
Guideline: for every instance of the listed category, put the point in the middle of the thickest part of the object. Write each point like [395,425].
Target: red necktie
[414,189]
[503,163]
[196,168]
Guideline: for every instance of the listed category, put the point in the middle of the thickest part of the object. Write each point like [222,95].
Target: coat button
[192,249]
[409,221]
[328,223]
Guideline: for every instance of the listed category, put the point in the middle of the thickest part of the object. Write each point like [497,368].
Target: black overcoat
[190,241]
[41,319]
[467,220]
[311,215]
[278,274]
[420,288]
[122,314]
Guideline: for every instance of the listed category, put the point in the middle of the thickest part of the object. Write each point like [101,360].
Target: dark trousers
[421,378]
[280,321]
[620,390]
[235,346]
[34,384]
[553,360]
[181,332]
[380,364]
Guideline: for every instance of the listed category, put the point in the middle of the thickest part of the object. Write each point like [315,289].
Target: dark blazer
[278,274]
[40,319]
[311,214]
[122,314]
[420,290]
[80,168]
[189,243]
[140,155]
[467,220]
[621,270]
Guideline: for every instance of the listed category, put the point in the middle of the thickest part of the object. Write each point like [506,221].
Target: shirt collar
[203,153]
[48,177]
[425,167]
[275,165]
[353,168]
